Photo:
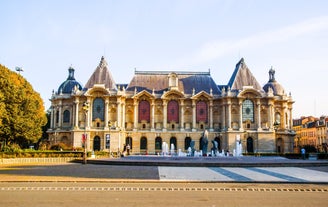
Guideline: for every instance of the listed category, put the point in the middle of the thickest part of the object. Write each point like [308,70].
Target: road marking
[190,174]
[115,189]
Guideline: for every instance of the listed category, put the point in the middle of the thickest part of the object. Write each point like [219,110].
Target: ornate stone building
[172,107]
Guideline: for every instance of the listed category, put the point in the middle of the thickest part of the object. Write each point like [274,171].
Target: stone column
[106,113]
[164,114]
[52,121]
[259,127]
[89,115]
[291,118]
[194,115]
[223,116]
[119,114]
[76,121]
[211,115]
[182,115]
[283,117]
[123,115]
[152,115]
[241,128]
[135,123]
[229,115]
[270,117]
[60,120]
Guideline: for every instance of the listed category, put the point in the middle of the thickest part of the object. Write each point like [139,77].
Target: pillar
[259,127]
[164,114]
[76,121]
[181,115]
[211,115]
[135,123]
[241,128]
[194,115]
[152,115]
[229,115]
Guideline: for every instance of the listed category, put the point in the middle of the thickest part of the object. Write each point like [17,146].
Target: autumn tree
[22,113]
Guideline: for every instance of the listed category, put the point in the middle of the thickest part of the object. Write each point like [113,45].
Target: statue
[204,142]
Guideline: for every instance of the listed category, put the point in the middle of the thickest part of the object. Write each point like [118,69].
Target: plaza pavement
[173,169]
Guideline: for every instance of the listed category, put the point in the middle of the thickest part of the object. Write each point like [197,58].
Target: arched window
[66,117]
[173,111]
[201,111]
[98,110]
[144,111]
[248,110]
[187,143]
[158,144]
[143,143]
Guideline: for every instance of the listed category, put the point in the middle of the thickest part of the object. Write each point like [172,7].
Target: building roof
[273,84]
[101,75]
[70,83]
[188,82]
[242,76]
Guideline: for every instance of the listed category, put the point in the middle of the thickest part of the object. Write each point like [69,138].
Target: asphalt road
[51,194]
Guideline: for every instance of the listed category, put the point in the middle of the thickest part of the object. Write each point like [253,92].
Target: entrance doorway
[96,143]
[250,145]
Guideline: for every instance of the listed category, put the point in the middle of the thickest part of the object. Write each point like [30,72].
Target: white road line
[301,173]
[255,176]
[190,173]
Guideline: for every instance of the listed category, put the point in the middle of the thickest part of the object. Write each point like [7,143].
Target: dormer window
[173,81]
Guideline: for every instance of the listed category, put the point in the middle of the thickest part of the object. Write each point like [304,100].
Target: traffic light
[85,106]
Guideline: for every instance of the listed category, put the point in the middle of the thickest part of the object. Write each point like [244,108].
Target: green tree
[22,111]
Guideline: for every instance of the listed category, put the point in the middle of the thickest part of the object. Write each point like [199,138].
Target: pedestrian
[303,153]
[128,149]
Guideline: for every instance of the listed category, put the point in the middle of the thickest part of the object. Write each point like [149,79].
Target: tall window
[66,117]
[248,110]
[144,111]
[98,111]
[201,111]
[173,111]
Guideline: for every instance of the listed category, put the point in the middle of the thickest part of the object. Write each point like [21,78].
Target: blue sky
[46,37]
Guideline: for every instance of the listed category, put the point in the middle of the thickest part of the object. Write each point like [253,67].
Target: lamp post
[85,108]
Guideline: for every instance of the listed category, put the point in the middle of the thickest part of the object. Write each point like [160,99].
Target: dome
[276,87]
[68,85]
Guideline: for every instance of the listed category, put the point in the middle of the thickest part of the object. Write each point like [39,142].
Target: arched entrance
[280,145]
[250,145]
[187,143]
[143,145]
[218,140]
[173,141]
[158,145]
[128,141]
[96,143]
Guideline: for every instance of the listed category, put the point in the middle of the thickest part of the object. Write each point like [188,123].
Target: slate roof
[101,75]
[242,76]
[273,84]
[158,81]
[68,85]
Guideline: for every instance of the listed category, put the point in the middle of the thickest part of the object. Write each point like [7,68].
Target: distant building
[173,107]
[311,131]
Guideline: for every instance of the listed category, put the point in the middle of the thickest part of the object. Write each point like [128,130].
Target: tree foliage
[22,111]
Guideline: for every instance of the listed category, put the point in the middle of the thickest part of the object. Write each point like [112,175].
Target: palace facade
[173,107]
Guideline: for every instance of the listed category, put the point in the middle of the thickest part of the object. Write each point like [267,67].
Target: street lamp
[85,108]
